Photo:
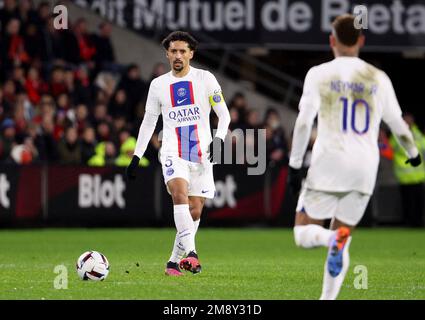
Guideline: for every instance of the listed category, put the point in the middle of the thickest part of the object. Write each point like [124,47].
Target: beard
[178,66]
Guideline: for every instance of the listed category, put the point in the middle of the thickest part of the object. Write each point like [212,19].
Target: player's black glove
[294,180]
[130,171]
[414,162]
[215,149]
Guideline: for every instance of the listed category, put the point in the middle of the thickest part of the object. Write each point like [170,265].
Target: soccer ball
[92,265]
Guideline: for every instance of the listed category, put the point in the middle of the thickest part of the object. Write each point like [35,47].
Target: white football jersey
[351,97]
[185,104]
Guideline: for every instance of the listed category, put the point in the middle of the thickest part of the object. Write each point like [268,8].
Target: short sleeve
[152,103]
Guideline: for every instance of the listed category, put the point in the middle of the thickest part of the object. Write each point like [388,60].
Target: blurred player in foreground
[350,97]
[184,96]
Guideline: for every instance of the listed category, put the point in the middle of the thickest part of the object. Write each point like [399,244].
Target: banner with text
[298,24]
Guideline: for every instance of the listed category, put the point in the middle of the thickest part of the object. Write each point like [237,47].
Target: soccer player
[184,96]
[350,98]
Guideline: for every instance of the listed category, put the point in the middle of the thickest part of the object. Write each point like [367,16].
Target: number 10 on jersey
[355,106]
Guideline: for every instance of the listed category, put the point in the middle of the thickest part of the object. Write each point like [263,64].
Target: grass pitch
[237,264]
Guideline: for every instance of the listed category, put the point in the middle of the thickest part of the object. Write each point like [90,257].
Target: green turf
[237,264]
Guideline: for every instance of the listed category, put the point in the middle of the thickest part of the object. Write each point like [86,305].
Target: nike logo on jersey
[181,101]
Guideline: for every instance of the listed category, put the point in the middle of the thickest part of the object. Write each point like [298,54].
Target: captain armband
[216,98]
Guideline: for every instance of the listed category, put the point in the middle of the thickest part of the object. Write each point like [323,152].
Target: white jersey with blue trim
[350,97]
[185,105]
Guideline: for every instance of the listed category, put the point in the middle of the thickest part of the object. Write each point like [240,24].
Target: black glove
[130,171]
[414,162]
[215,149]
[294,180]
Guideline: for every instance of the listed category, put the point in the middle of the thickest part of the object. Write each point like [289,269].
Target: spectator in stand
[43,13]
[7,138]
[119,106]
[18,77]
[52,44]
[234,119]
[105,55]
[69,147]
[27,15]
[60,123]
[134,87]
[9,97]
[240,104]
[29,141]
[411,179]
[88,144]
[385,149]
[277,146]
[82,92]
[45,143]
[103,132]
[2,105]
[19,118]
[8,12]
[29,111]
[119,124]
[159,69]
[253,119]
[24,153]
[35,86]
[64,103]
[105,155]
[127,145]
[57,84]
[105,84]
[69,82]
[32,40]
[99,115]
[46,108]
[80,120]
[86,47]
[13,46]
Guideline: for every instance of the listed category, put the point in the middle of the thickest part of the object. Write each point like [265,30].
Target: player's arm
[392,116]
[146,130]
[219,106]
[308,108]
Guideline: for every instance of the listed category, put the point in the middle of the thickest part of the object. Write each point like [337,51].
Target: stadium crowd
[65,100]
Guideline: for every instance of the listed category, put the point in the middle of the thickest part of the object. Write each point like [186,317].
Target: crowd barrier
[55,195]
[86,196]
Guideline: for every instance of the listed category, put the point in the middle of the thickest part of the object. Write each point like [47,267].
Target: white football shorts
[198,175]
[347,207]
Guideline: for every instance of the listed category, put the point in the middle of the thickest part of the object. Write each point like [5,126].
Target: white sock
[331,285]
[178,249]
[196,225]
[312,235]
[185,227]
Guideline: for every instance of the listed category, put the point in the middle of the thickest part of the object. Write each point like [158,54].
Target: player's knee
[179,197]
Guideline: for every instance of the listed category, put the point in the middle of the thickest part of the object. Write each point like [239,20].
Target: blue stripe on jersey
[189,143]
[182,94]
